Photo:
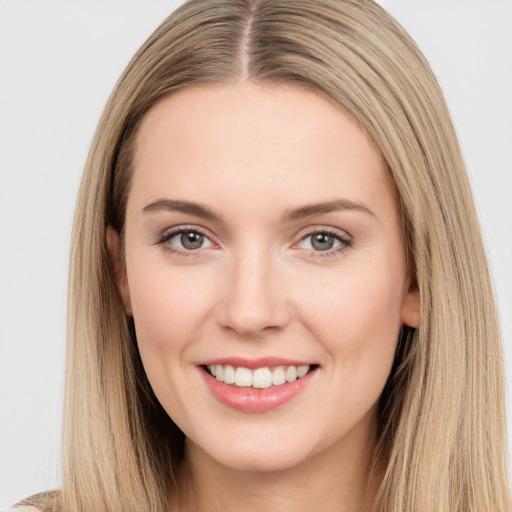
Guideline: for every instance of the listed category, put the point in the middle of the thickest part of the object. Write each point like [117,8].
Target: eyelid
[336,232]
[345,239]
[342,236]
[170,233]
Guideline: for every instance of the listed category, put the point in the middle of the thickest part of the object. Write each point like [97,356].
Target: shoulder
[23,508]
[42,502]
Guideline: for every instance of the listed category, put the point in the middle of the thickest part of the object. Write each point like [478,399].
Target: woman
[278,295]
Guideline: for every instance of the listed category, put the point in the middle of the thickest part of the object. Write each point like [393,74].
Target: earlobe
[410,310]
[114,249]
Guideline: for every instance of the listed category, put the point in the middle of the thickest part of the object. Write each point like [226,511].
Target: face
[263,246]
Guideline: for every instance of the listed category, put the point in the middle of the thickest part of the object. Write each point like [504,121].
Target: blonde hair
[442,417]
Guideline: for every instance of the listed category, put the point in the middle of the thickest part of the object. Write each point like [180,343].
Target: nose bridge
[254,297]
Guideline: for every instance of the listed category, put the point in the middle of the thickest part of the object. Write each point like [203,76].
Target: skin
[257,287]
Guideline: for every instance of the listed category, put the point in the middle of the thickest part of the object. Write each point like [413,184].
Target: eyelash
[345,242]
[175,250]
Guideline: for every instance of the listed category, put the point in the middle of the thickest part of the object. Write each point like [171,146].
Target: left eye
[189,240]
[322,241]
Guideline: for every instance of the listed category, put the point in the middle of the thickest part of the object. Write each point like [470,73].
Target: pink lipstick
[256,385]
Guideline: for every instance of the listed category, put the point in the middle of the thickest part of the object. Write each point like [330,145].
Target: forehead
[253,140]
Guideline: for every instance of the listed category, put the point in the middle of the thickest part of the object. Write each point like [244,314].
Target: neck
[335,479]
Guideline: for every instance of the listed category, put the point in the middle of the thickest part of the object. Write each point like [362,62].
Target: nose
[253,297]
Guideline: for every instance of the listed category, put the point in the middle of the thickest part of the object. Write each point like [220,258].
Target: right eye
[185,240]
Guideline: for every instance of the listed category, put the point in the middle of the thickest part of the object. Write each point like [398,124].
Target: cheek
[357,320]
[354,305]
[169,306]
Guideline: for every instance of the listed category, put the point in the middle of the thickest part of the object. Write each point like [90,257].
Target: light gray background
[58,62]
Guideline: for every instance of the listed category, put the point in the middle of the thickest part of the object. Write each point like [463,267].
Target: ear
[410,308]
[114,249]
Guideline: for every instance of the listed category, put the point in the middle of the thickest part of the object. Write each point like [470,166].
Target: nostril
[253,301]
[252,319]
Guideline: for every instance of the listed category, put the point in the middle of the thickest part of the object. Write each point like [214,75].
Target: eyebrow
[182,206]
[290,215]
[327,207]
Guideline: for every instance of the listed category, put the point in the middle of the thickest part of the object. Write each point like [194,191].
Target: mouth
[258,378]
[254,387]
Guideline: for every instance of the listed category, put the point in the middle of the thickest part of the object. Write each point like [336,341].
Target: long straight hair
[441,443]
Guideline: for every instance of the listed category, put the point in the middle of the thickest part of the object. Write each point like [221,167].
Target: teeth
[261,378]
[291,374]
[302,370]
[278,376]
[243,377]
[229,374]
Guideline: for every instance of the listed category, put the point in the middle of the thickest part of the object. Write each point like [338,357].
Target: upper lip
[260,362]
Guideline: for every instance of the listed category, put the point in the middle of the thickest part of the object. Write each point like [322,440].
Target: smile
[257,386]
[260,378]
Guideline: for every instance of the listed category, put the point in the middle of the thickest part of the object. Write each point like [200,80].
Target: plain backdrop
[58,62]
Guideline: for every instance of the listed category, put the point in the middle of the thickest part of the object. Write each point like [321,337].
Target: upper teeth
[258,378]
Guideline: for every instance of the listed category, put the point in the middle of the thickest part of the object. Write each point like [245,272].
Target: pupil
[192,240]
[322,241]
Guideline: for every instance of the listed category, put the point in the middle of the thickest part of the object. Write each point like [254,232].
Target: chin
[261,462]
[261,455]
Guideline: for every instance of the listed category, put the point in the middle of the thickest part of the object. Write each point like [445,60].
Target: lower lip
[248,399]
